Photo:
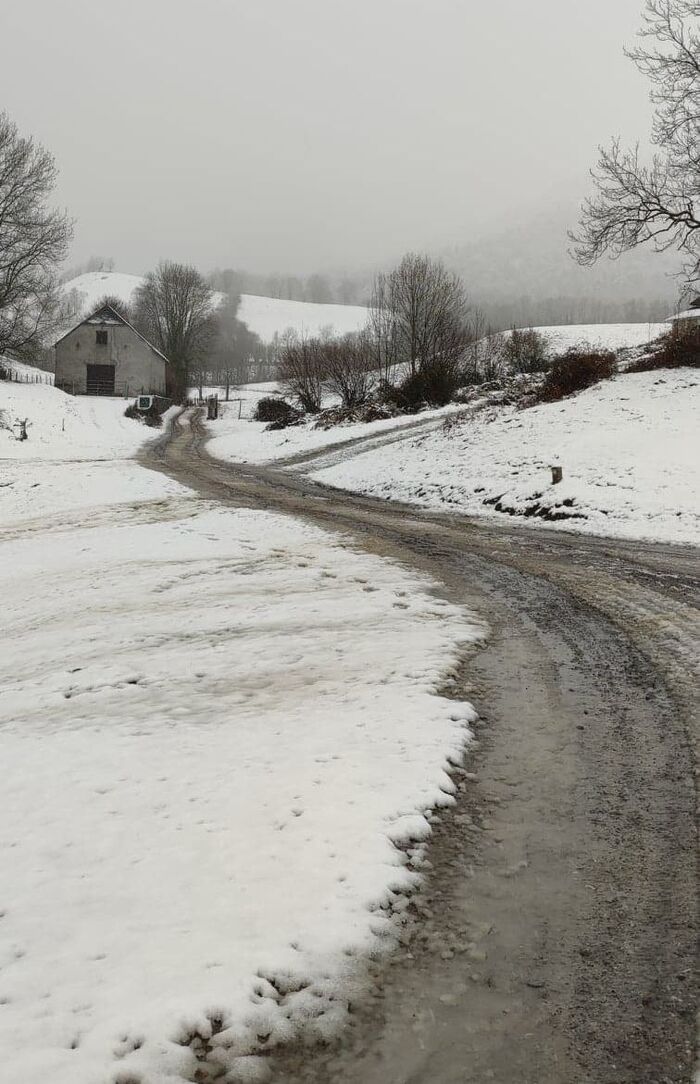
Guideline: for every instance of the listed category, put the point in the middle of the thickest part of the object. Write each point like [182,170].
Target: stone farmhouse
[105,355]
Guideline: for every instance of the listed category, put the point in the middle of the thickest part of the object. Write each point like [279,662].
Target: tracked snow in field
[628,447]
[62,426]
[214,732]
[221,734]
[91,434]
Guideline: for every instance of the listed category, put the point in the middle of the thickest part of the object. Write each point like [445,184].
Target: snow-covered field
[221,738]
[90,433]
[601,336]
[62,426]
[266,316]
[629,449]
[94,285]
[270,316]
[244,441]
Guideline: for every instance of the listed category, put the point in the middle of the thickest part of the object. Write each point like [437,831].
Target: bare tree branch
[33,241]
[659,202]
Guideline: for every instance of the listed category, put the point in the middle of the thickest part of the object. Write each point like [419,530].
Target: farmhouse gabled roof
[105,314]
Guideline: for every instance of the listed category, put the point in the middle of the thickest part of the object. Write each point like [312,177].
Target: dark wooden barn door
[100,380]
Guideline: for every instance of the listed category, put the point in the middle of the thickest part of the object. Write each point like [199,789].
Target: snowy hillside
[600,336]
[270,316]
[77,454]
[25,373]
[617,481]
[93,285]
[266,316]
[62,426]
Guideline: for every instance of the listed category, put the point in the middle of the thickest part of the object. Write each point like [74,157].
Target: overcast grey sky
[298,134]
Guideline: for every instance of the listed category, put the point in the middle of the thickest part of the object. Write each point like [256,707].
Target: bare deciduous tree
[383,329]
[301,371]
[33,240]
[116,303]
[657,203]
[419,313]
[174,309]
[484,357]
[348,368]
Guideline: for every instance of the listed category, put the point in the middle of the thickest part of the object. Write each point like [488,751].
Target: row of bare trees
[422,341]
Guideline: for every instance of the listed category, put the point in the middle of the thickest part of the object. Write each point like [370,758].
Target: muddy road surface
[555,938]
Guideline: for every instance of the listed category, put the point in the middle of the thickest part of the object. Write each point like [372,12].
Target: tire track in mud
[555,938]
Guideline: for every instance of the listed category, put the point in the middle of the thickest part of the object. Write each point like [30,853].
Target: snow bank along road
[557,933]
[222,732]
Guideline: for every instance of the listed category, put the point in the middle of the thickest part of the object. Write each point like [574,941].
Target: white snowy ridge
[265,316]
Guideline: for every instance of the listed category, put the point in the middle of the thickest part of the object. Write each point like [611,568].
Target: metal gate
[99,380]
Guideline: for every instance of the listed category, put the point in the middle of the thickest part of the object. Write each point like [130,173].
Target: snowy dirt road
[558,930]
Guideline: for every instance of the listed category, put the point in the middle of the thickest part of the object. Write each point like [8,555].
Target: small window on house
[101,337]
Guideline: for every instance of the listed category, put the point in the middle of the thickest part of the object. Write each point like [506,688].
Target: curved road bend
[557,934]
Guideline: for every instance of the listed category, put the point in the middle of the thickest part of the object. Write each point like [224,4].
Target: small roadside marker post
[557,475]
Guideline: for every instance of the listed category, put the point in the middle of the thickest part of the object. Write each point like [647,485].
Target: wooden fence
[24,376]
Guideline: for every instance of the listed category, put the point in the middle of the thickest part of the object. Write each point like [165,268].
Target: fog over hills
[522,274]
[525,274]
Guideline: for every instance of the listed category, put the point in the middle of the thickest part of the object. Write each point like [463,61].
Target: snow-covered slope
[629,449]
[94,285]
[62,426]
[24,372]
[601,336]
[77,454]
[242,440]
[266,316]
[270,316]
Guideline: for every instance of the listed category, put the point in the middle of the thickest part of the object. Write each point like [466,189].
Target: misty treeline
[528,310]
[496,291]
[321,287]
[422,342]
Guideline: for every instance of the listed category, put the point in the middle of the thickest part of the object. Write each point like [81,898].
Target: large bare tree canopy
[174,309]
[418,314]
[658,202]
[33,240]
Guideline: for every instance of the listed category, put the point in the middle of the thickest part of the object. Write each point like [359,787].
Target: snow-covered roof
[687,314]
